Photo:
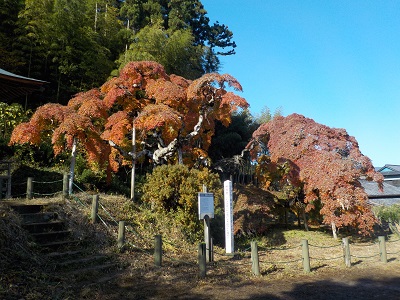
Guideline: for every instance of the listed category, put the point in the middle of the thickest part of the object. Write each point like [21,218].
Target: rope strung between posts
[369,256]
[325,247]
[49,194]
[395,241]
[108,213]
[281,262]
[333,258]
[47,182]
[393,253]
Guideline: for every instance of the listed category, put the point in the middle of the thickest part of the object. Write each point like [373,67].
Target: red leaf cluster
[328,164]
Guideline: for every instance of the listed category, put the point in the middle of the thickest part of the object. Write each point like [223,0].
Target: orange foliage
[327,162]
[163,108]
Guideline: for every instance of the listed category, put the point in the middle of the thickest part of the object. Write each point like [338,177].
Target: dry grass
[280,254]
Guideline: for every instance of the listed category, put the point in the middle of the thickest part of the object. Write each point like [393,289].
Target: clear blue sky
[334,61]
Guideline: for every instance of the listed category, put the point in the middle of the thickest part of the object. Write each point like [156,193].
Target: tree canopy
[174,117]
[325,162]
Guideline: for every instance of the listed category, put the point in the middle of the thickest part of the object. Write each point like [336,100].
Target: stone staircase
[63,255]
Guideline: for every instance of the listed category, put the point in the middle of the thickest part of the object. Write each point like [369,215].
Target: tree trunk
[180,157]
[334,230]
[133,163]
[72,167]
[303,212]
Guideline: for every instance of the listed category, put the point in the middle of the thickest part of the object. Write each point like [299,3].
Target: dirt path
[380,281]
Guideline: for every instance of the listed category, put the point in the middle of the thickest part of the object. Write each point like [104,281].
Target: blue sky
[337,62]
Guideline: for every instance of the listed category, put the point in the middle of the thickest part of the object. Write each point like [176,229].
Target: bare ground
[231,278]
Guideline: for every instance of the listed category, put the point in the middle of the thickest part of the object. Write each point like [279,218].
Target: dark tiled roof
[13,86]
[389,195]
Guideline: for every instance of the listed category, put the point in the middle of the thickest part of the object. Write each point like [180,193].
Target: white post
[228,201]
[72,167]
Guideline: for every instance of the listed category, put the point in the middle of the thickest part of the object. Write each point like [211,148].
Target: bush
[388,213]
[175,189]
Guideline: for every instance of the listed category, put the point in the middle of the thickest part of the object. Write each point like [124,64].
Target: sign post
[228,205]
[206,211]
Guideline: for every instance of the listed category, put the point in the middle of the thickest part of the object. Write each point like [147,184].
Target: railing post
[382,249]
[306,256]
[255,263]
[202,260]
[65,186]
[121,235]
[95,208]
[207,237]
[29,188]
[158,250]
[211,249]
[346,252]
[1,188]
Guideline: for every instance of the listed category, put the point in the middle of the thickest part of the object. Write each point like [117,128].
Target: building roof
[13,86]
[389,195]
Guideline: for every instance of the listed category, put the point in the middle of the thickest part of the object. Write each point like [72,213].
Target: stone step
[39,217]
[44,237]
[42,227]
[23,208]
[51,246]
[63,254]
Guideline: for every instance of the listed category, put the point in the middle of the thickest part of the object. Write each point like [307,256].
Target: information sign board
[206,205]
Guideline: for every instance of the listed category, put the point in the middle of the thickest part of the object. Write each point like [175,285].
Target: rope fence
[244,259]
[248,256]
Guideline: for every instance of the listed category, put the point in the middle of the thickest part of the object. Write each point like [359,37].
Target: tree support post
[306,256]
[95,208]
[65,186]
[72,167]
[29,188]
[346,252]
[255,263]
[202,260]
[133,161]
[382,249]
[158,250]
[121,235]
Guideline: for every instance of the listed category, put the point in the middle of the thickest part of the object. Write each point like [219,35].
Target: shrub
[388,213]
[175,189]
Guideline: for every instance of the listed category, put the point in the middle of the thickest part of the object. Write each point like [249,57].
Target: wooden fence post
[202,260]
[211,249]
[95,208]
[158,250]
[306,256]
[29,188]
[346,252]
[255,263]
[121,235]
[382,249]
[65,186]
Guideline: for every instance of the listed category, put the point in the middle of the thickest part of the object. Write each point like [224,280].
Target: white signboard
[228,201]
[206,205]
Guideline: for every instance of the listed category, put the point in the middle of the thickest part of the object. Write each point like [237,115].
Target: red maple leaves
[328,164]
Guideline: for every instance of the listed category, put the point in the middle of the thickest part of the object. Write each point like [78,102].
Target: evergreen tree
[8,24]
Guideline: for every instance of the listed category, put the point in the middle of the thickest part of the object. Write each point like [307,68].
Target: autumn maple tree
[167,118]
[324,162]
[174,117]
